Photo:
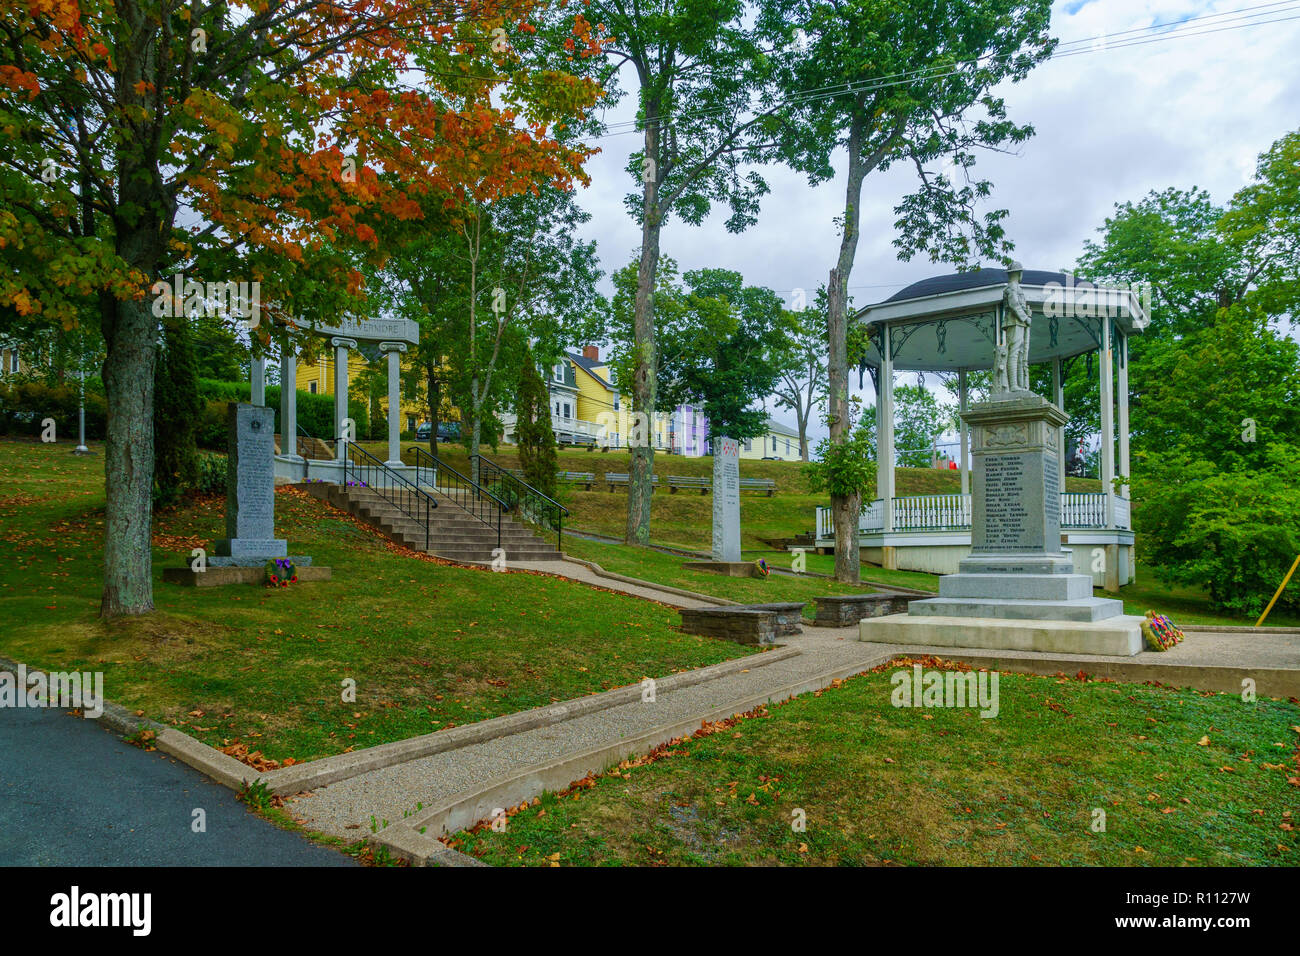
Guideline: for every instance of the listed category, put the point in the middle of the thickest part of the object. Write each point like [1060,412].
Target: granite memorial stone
[726,499]
[250,489]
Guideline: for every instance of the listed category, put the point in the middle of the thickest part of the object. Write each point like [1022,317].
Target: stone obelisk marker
[250,489]
[726,499]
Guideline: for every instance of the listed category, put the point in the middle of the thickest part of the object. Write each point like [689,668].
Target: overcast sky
[1112,124]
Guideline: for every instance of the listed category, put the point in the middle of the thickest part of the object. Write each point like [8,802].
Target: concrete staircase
[454,533]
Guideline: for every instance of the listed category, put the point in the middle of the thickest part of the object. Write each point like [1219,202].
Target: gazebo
[952,323]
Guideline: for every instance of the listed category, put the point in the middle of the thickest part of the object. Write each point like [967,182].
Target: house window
[749,444]
[615,403]
[13,361]
[567,408]
[312,388]
[410,423]
[557,408]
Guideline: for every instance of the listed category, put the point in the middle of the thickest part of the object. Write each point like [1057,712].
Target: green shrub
[211,474]
[25,404]
[1233,534]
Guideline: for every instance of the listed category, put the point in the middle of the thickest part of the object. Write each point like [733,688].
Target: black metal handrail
[465,492]
[535,505]
[395,488]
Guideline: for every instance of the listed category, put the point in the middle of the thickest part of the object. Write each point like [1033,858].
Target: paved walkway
[580,572]
[74,794]
[388,793]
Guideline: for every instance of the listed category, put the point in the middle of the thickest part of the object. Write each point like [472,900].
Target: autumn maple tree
[266,142]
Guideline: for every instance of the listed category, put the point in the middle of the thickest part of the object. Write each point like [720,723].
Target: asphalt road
[75,794]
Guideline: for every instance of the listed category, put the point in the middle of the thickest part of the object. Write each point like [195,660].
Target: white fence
[953,513]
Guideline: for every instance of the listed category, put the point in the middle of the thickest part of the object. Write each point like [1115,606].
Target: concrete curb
[327,770]
[209,761]
[469,807]
[1269,681]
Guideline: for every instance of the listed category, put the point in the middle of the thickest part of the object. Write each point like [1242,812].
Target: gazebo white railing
[1079,510]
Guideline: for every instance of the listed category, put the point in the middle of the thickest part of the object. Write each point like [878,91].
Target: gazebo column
[1107,369]
[885,446]
[257,380]
[289,401]
[394,351]
[1058,396]
[964,463]
[341,347]
[1123,412]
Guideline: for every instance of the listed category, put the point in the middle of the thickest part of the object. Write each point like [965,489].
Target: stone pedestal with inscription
[1018,589]
[250,491]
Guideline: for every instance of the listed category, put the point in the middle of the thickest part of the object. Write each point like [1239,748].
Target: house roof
[776,428]
[590,366]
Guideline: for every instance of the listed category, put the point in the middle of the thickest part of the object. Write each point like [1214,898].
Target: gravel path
[346,807]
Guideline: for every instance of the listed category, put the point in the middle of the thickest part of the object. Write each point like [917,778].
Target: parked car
[447,431]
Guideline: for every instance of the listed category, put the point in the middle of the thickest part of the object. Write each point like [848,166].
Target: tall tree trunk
[131,340]
[844,508]
[476,430]
[434,390]
[645,373]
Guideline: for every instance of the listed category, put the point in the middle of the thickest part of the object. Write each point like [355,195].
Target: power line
[1137,36]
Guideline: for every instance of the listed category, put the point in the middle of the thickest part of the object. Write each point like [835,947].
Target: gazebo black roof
[958,281]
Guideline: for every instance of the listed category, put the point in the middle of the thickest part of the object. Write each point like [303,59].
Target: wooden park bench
[686,481]
[584,478]
[620,479]
[766,485]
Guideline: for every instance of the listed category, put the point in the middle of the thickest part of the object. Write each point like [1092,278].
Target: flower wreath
[762,567]
[280,573]
[1159,633]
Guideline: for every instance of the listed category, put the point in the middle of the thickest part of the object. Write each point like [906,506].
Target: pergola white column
[341,347]
[394,351]
[1123,411]
[257,380]
[885,432]
[1058,397]
[1105,360]
[289,401]
[963,464]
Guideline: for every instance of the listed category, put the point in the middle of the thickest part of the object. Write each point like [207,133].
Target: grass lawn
[943,786]
[662,568]
[430,646]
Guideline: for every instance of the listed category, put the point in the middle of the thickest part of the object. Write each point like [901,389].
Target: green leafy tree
[1214,476]
[722,351]
[178,413]
[698,71]
[919,420]
[534,433]
[801,386]
[896,82]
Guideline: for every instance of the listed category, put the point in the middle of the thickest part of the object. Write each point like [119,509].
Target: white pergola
[392,337]
[952,323]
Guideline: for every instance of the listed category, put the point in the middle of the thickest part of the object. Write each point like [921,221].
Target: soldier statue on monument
[1011,368]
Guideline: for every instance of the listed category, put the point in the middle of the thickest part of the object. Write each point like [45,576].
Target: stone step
[1031,587]
[480,554]
[1089,609]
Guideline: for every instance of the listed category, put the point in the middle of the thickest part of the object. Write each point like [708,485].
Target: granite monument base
[1018,589]
[255,560]
[218,575]
[732,569]
[1114,637]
